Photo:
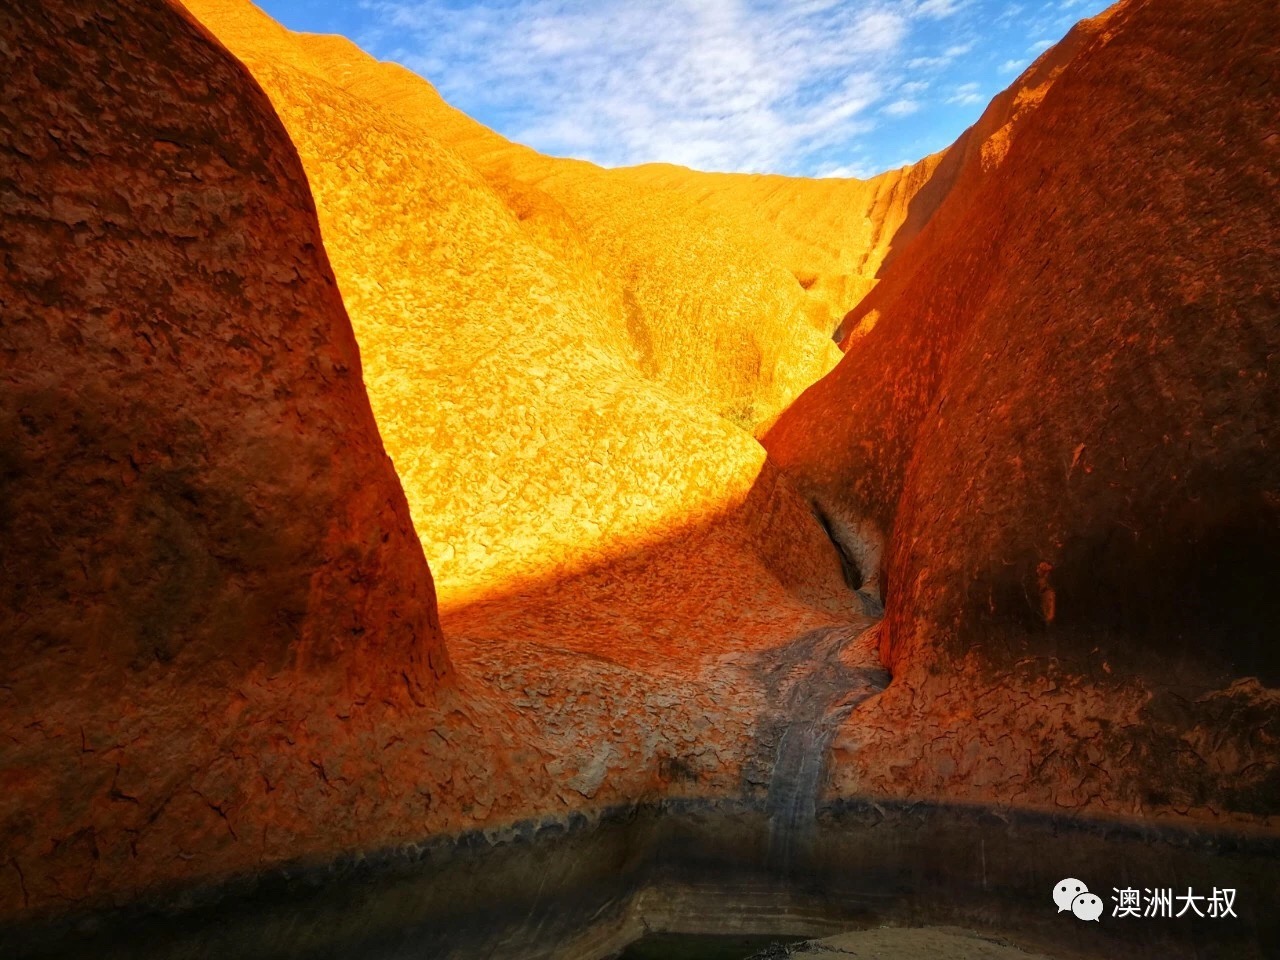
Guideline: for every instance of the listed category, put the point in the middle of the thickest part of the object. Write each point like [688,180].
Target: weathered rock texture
[221,641]
[221,646]
[185,420]
[1059,407]
[723,288]
[195,500]
[560,357]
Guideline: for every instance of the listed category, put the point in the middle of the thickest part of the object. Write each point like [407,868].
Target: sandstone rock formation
[246,666]
[720,291]
[547,346]
[196,501]
[727,286]
[184,406]
[1056,407]
[1047,449]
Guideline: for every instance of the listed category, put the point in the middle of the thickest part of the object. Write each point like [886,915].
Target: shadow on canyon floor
[679,701]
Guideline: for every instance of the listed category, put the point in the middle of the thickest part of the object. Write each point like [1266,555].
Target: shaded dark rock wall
[184,418]
[193,492]
[1063,410]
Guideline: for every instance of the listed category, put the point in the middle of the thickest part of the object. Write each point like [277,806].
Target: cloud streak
[740,85]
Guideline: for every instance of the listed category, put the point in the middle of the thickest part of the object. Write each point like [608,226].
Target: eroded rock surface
[561,358]
[185,417]
[198,515]
[222,648]
[1057,407]
[223,643]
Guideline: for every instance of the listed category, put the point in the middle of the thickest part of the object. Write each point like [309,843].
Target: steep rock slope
[222,645]
[599,541]
[630,588]
[729,287]
[184,385]
[855,465]
[834,235]
[510,380]
[1058,409]
[212,599]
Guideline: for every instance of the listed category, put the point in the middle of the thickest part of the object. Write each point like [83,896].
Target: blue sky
[805,87]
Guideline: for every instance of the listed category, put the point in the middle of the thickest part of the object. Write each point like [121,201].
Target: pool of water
[685,946]
[588,888]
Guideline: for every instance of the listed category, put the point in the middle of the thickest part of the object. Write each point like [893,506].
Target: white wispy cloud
[927,63]
[901,108]
[718,84]
[860,171]
[941,60]
[940,8]
[793,86]
[1009,15]
[965,93]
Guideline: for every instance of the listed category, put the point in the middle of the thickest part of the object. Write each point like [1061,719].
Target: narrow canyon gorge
[414,545]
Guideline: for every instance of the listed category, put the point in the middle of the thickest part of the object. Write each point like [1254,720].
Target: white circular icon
[1066,891]
[1087,906]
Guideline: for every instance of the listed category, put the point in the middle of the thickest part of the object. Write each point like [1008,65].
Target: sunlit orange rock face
[1059,407]
[564,361]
